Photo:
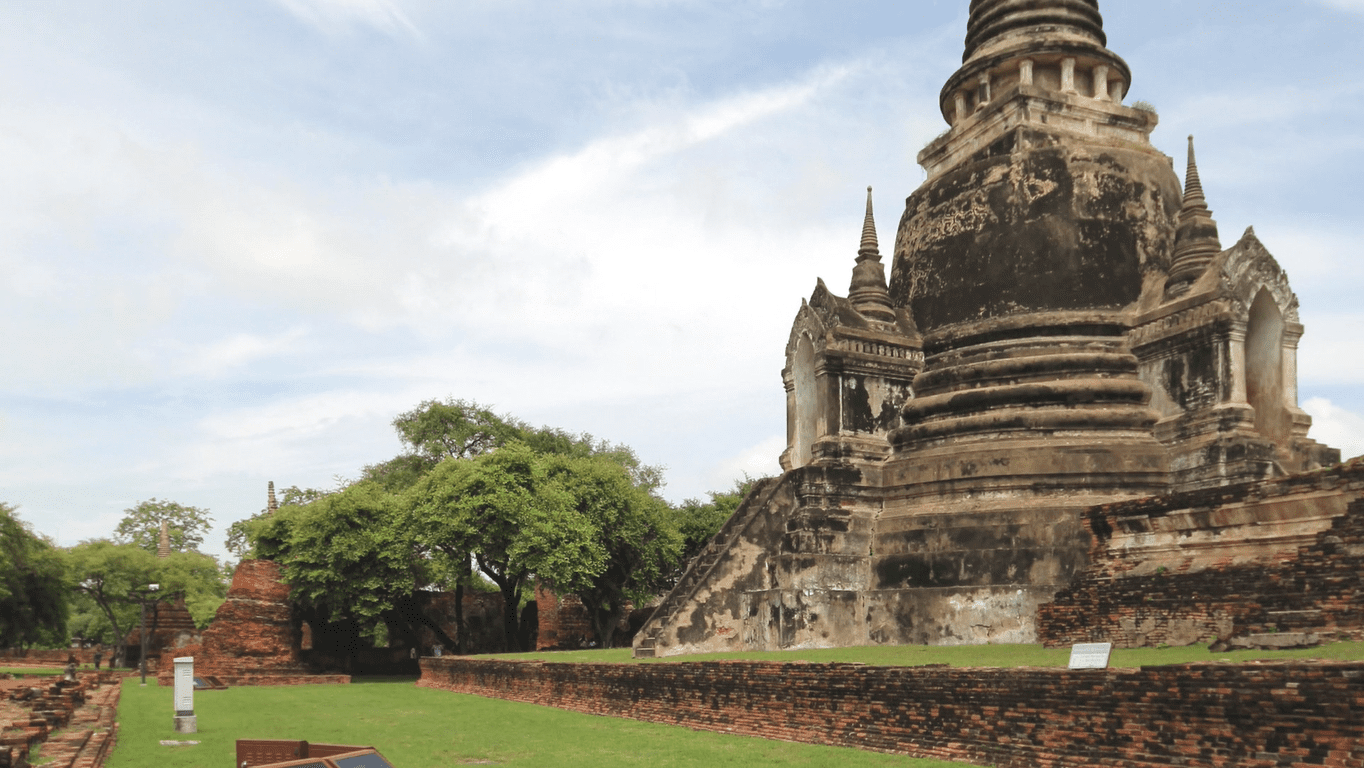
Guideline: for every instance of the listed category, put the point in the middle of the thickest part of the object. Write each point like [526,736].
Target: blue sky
[237,238]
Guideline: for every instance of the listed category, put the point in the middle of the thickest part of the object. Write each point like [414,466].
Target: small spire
[868,292]
[1193,186]
[1196,239]
[163,549]
[870,249]
[271,504]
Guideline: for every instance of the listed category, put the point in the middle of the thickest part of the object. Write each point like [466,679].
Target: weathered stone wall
[1286,555]
[1256,716]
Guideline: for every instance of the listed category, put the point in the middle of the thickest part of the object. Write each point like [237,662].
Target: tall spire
[1196,240]
[870,249]
[163,548]
[868,292]
[271,504]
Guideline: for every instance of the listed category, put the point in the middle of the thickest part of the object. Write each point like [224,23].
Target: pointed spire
[271,504]
[1193,186]
[1196,240]
[868,292]
[163,549]
[870,249]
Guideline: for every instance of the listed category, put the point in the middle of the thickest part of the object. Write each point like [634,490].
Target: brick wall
[563,621]
[1255,716]
[1293,562]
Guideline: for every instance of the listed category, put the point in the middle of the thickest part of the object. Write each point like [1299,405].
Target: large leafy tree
[349,558]
[33,585]
[631,525]
[141,525]
[111,575]
[505,510]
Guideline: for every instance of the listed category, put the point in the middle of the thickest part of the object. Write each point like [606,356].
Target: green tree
[33,585]
[238,540]
[109,574]
[350,558]
[141,525]
[503,509]
[631,525]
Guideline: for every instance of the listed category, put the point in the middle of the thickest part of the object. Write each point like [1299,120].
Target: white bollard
[185,721]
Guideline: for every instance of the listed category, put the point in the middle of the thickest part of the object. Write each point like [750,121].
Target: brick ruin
[253,639]
[1061,330]
[1278,563]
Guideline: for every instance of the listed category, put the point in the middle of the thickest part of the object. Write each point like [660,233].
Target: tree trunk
[459,618]
[511,616]
[120,648]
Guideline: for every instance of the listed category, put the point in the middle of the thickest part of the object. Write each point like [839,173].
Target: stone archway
[1264,367]
[807,402]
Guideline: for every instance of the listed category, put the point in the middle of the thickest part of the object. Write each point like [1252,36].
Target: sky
[237,239]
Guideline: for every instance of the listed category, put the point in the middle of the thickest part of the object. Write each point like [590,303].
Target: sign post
[1090,655]
[185,721]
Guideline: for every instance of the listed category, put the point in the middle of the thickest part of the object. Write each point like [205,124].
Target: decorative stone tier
[1281,556]
[1299,713]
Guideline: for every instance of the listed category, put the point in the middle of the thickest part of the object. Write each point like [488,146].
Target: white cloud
[1336,427]
[755,461]
[334,15]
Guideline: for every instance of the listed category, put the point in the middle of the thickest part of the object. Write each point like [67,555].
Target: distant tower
[271,504]
[163,549]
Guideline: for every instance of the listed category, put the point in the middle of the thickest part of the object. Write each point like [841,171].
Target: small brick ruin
[1252,560]
[73,720]
[1252,716]
[252,640]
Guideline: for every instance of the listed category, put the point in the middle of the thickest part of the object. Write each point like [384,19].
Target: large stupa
[1061,329]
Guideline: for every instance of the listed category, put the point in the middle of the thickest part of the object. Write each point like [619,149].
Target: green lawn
[421,728]
[960,655]
[31,671]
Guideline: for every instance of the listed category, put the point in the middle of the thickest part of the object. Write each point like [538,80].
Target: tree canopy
[350,557]
[505,511]
[141,525]
[33,586]
[110,574]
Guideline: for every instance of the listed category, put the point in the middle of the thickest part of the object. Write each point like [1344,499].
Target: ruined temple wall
[1286,555]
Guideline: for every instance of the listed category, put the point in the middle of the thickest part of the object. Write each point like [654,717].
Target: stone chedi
[1061,329]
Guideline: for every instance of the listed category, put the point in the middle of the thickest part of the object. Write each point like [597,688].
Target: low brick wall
[1256,715]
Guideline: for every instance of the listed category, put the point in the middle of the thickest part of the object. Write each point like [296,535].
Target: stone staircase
[699,568]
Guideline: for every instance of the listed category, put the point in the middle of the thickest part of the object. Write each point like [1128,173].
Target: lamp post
[143,596]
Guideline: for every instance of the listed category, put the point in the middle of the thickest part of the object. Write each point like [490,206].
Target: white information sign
[185,721]
[1090,655]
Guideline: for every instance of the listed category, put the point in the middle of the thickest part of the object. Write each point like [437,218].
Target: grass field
[960,655]
[30,671]
[421,728]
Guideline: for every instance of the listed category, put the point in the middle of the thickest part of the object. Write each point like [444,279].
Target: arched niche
[1265,389]
[807,402]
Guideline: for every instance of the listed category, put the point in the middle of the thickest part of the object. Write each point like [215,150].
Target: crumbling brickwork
[563,621]
[1221,563]
[1250,716]
[252,640]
